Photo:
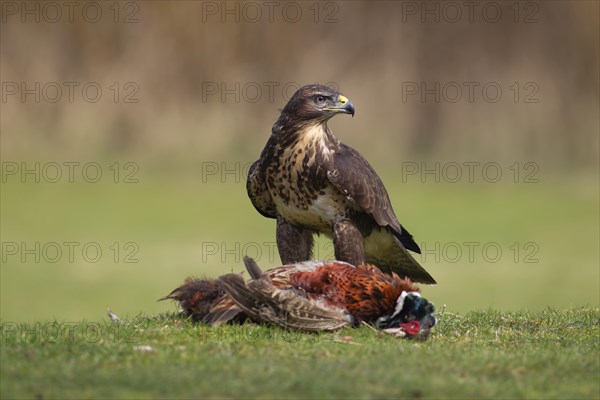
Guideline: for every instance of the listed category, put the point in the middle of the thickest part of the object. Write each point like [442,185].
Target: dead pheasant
[310,296]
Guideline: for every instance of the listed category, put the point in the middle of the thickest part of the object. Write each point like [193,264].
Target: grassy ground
[550,354]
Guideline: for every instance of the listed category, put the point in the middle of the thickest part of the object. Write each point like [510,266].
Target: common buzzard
[310,183]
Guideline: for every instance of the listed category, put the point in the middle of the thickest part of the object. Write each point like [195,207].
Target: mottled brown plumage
[312,183]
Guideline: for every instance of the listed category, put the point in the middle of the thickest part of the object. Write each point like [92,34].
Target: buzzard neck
[308,134]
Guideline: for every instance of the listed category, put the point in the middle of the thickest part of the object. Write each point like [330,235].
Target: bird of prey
[310,182]
[310,296]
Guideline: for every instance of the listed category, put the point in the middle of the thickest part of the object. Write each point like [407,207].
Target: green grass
[484,354]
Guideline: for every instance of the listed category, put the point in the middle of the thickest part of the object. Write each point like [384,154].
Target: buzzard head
[316,103]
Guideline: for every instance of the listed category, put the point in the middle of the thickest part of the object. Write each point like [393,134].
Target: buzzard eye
[320,99]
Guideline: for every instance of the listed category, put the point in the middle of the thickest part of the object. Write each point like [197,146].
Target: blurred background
[127,129]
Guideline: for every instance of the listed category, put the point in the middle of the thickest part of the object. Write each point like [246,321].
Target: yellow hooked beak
[343,105]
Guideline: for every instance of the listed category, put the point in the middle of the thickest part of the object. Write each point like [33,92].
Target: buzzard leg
[294,243]
[348,243]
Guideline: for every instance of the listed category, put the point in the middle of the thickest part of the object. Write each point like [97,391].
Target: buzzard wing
[353,175]
[259,193]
